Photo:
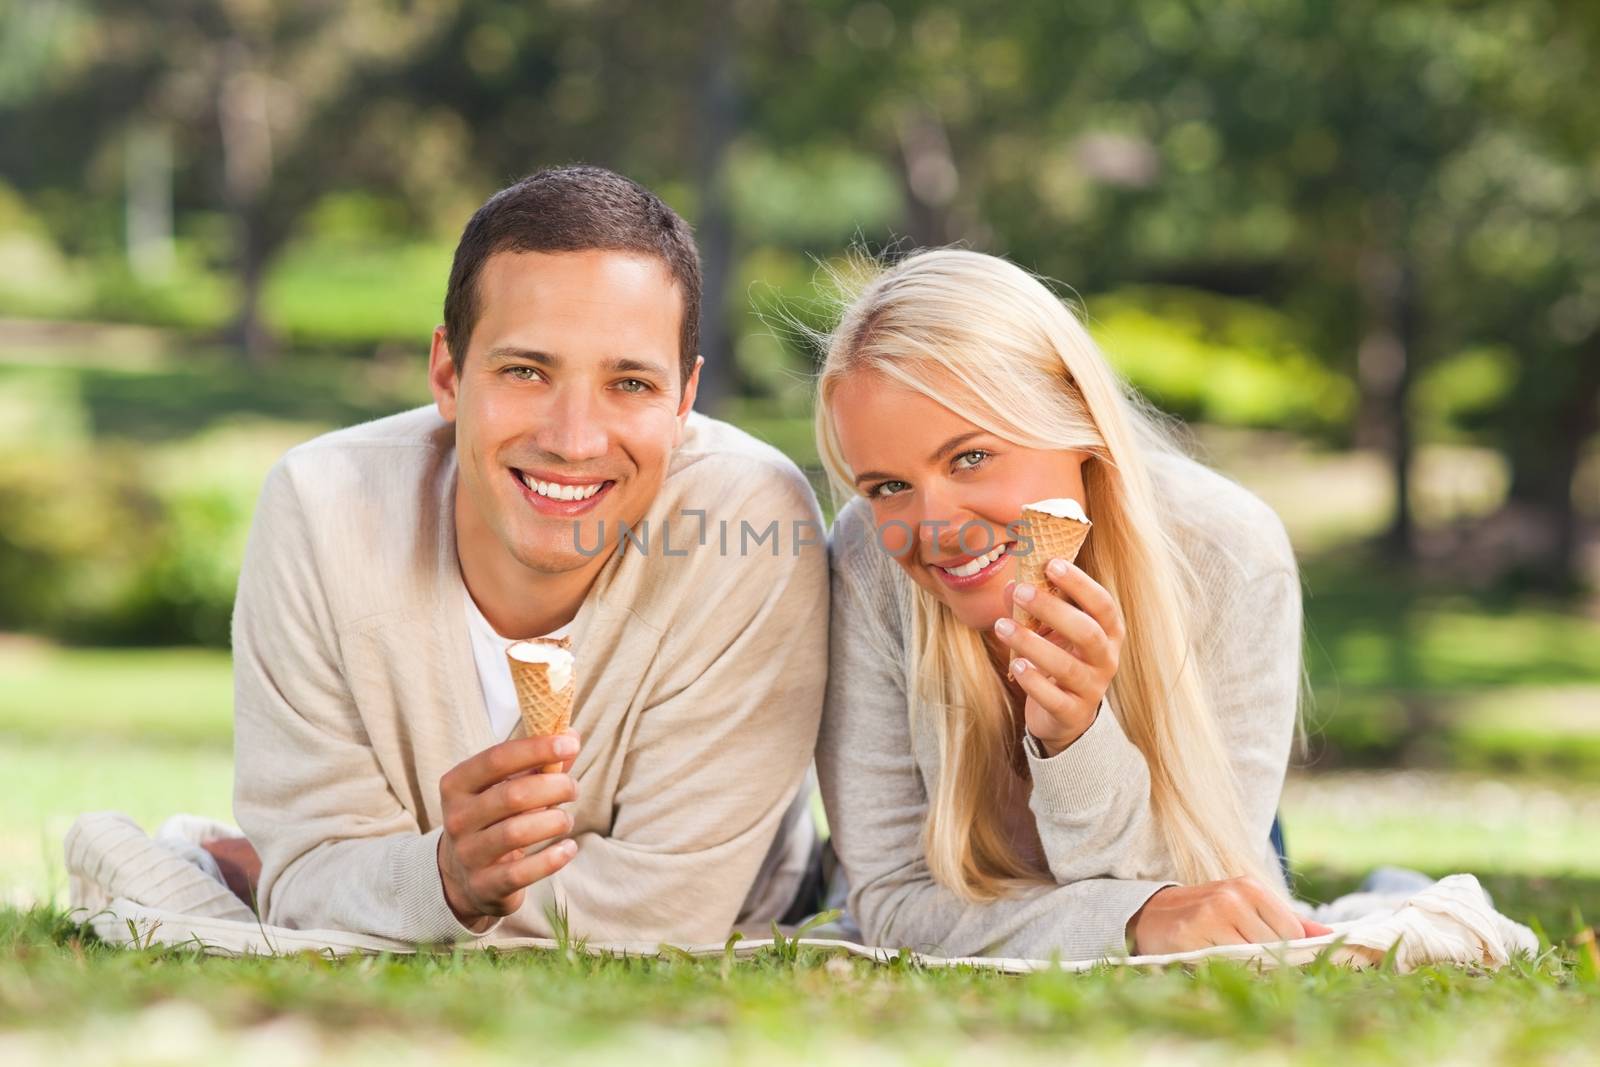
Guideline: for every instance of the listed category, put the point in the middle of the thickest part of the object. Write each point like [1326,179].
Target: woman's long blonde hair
[988,340]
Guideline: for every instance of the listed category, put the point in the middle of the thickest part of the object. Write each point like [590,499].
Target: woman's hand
[1239,911]
[1065,668]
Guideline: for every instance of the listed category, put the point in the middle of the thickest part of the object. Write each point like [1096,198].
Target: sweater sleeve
[1252,665]
[717,756]
[338,849]
[1091,805]
[876,805]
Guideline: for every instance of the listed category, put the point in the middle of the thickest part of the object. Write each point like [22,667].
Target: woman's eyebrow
[943,450]
[954,443]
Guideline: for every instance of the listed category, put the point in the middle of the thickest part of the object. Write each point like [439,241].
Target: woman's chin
[975,612]
[977,608]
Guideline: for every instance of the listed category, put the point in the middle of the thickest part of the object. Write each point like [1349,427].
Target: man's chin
[554,561]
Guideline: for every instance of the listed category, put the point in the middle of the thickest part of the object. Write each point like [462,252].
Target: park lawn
[65,997]
[148,732]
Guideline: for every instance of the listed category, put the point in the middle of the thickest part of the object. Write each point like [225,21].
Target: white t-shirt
[494,673]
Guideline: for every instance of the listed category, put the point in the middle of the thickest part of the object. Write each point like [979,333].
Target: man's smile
[558,495]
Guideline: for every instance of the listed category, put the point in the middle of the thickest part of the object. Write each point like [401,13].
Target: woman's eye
[883,489]
[971,458]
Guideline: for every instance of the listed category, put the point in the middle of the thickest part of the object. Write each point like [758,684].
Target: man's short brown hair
[573,209]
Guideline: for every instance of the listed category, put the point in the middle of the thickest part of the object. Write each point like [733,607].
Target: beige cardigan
[699,687]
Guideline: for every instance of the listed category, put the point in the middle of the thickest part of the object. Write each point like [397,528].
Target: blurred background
[1355,245]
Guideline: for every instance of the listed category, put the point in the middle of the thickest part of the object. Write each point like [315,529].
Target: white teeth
[971,567]
[556,491]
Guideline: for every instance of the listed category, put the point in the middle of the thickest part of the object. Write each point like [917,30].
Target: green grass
[166,697]
[147,732]
[74,998]
[1406,669]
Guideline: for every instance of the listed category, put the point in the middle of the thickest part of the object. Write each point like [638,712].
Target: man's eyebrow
[949,446]
[508,353]
[622,365]
[636,366]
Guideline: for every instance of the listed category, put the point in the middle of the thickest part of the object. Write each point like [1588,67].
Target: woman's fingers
[1252,929]
[1061,704]
[1283,924]
[1087,593]
[1069,672]
[1071,626]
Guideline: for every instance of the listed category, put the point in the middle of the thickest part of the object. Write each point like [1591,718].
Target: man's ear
[686,404]
[442,379]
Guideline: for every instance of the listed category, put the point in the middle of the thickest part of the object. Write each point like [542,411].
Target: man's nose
[572,427]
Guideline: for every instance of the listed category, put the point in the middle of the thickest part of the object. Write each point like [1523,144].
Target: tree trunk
[1545,450]
[1385,370]
[243,115]
[928,177]
[148,220]
[719,124]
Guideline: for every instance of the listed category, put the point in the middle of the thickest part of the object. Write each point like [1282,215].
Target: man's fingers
[505,879]
[520,831]
[530,792]
[499,762]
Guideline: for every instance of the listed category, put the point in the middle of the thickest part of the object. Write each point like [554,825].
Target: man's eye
[523,373]
[971,458]
[633,385]
[884,489]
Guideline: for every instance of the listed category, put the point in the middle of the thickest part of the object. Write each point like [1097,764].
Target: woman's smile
[965,573]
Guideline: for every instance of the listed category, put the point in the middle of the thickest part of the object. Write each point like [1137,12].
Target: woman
[1112,786]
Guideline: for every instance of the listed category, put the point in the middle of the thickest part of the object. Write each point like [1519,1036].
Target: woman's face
[946,494]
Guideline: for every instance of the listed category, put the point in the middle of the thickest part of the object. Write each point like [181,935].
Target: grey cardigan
[878,765]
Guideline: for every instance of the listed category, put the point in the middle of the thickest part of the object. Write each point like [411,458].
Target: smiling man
[560,486]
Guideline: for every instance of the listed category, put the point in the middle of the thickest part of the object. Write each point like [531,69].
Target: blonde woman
[1114,786]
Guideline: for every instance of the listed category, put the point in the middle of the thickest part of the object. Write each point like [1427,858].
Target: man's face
[568,404]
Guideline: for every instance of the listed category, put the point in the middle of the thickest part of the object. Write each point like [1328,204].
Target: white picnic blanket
[141,892]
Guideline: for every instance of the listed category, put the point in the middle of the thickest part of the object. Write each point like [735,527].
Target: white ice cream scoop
[1062,507]
[548,652]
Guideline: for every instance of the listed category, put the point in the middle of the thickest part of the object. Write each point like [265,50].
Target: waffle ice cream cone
[1058,529]
[541,670]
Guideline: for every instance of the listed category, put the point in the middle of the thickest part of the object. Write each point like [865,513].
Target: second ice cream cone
[1057,529]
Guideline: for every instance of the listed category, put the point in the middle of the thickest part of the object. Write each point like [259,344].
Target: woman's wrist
[1054,744]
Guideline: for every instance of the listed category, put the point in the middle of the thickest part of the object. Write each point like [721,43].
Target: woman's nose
[943,517]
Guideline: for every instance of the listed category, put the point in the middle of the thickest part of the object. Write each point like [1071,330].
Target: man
[560,486]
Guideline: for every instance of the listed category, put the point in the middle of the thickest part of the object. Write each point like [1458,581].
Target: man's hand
[493,809]
[1238,911]
[240,866]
